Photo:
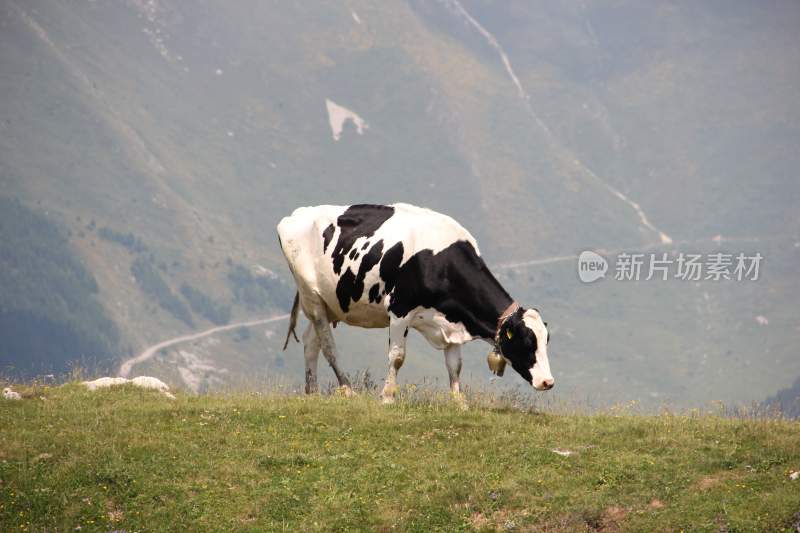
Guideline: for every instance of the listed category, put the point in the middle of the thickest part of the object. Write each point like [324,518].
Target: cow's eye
[530,342]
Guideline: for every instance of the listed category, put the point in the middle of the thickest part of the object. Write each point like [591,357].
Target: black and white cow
[404,267]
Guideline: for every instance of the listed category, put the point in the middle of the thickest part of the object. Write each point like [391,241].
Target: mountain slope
[170,138]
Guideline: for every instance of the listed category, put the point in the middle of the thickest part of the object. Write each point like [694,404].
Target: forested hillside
[50,313]
[786,401]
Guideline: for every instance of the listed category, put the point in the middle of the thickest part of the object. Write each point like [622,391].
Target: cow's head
[522,341]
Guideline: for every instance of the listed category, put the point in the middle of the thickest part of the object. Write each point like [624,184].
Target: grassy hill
[129,460]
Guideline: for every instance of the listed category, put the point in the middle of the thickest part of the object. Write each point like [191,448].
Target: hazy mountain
[165,139]
[786,401]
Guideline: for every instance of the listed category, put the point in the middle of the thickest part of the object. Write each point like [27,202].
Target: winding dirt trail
[125,368]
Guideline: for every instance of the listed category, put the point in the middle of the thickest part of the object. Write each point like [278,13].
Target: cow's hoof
[388,393]
[460,401]
[345,391]
[387,399]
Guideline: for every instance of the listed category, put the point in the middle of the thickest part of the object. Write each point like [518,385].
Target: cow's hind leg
[311,346]
[398,331]
[452,359]
[323,330]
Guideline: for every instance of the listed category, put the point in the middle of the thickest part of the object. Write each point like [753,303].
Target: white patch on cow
[542,378]
[339,115]
[436,329]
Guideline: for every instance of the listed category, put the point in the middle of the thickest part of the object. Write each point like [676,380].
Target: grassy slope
[132,460]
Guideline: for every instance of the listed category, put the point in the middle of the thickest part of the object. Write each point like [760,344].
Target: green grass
[132,460]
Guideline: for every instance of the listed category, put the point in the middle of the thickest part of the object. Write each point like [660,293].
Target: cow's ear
[497,363]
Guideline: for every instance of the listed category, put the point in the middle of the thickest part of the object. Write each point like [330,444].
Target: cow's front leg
[311,347]
[398,331]
[323,330]
[452,359]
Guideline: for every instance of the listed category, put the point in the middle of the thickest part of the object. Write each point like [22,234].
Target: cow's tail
[293,320]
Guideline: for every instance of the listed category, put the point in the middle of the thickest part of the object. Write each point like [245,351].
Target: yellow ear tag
[508,333]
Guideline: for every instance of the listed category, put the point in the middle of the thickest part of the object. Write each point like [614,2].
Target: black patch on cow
[375,293]
[344,289]
[327,235]
[353,254]
[366,243]
[517,342]
[405,333]
[456,282]
[357,221]
[351,287]
[390,266]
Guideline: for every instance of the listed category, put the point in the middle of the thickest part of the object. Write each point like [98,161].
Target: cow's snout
[541,378]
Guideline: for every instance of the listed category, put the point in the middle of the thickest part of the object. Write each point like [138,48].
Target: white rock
[101,383]
[9,394]
[144,382]
[147,382]
[794,475]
